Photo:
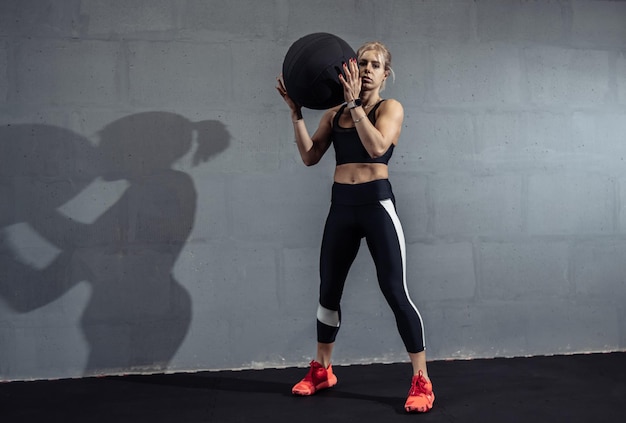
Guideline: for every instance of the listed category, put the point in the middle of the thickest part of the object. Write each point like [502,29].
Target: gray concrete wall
[155,216]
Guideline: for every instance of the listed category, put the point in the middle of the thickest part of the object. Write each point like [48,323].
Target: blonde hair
[384,56]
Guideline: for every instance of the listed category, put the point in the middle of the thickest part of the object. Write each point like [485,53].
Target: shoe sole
[417,410]
[323,385]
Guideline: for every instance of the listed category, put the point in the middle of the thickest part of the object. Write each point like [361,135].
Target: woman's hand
[351,81]
[296,110]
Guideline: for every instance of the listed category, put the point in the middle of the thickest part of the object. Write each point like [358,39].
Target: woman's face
[371,70]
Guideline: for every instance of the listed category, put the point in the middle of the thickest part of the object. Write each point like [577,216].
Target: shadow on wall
[57,229]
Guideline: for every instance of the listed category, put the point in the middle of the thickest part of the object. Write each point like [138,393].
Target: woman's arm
[375,138]
[311,148]
[378,138]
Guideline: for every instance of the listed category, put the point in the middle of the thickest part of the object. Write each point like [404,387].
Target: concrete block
[553,133]
[45,18]
[622,204]
[620,76]
[256,144]
[567,77]
[133,285]
[179,74]
[441,20]
[477,74]
[122,18]
[412,203]
[272,350]
[301,18]
[47,342]
[87,122]
[476,330]
[301,217]
[254,85]
[212,214]
[25,258]
[570,204]
[214,20]
[581,328]
[507,329]
[35,352]
[599,270]
[221,273]
[8,353]
[25,115]
[508,141]
[608,141]
[7,209]
[500,135]
[4,72]
[410,61]
[218,147]
[201,267]
[207,341]
[66,72]
[436,141]
[45,152]
[94,200]
[599,24]
[467,205]
[515,21]
[442,271]
[523,271]
[300,285]
[119,347]
[550,140]
[621,313]
[554,140]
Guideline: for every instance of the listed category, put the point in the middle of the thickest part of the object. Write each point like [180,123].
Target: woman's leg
[386,242]
[418,361]
[387,246]
[324,353]
[340,245]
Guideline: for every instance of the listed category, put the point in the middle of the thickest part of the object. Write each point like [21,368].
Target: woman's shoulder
[391,106]
[390,102]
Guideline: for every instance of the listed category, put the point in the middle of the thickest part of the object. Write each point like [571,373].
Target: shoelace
[316,373]
[419,387]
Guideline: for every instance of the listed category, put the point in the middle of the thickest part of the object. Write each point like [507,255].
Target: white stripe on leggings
[328,317]
[391,210]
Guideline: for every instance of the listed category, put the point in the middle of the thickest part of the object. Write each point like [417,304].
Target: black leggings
[365,211]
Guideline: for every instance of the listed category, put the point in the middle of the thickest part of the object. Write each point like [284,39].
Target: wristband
[354,103]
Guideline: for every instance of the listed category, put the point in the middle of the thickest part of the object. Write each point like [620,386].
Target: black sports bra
[348,146]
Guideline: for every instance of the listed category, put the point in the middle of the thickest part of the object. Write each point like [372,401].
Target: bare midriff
[359,173]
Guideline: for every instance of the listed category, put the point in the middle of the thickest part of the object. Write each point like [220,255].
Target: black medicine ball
[311,70]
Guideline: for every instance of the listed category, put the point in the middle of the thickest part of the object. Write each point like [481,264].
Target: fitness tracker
[354,103]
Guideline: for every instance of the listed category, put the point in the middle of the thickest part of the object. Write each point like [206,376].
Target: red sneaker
[421,396]
[317,378]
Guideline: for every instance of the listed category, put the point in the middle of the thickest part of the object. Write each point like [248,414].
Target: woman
[364,132]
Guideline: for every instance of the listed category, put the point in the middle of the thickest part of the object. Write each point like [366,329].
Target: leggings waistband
[361,194]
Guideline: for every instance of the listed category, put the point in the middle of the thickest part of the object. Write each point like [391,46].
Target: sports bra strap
[371,115]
